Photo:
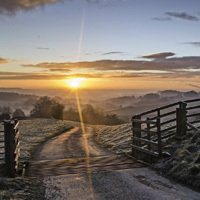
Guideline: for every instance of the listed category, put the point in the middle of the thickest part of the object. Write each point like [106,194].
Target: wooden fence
[10,146]
[151,129]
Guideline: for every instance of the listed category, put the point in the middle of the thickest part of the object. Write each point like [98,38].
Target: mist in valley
[120,104]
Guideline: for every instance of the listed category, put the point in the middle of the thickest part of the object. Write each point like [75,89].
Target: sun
[75,82]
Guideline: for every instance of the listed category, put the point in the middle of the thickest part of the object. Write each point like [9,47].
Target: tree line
[47,107]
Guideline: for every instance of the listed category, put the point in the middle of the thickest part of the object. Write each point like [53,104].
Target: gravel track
[134,182]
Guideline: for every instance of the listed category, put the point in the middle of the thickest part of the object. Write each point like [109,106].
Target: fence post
[159,133]
[181,120]
[148,132]
[9,148]
[136,127]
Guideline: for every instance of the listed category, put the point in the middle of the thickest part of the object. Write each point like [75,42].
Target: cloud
[162,55]
[162,19]
[42,48]
[195,44]
[105,3]
[53,67]
[3,60]
[182,15]
[29,76]
[46,76]
[194,86]
[174,66]
[112,53]
[12,6]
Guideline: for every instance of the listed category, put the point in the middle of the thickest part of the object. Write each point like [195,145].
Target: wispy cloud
[162,19]
[46,76]
[29,76]
[194,86]
[3,60]
[195,44]
[105,2]
[53,67]
[162,55]
[160,64]
[42,48]
[12,6]
[112,53]
[183,15]
[176,67]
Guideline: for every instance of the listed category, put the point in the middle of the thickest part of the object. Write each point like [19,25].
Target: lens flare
[75,82]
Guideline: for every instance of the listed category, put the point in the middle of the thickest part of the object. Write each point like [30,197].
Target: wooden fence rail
[151,129]
[11,146]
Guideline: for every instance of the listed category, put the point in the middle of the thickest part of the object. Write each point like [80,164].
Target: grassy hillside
[116,138]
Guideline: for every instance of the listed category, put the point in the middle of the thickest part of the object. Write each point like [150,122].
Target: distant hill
[17,101]
[127,106]
[12,96]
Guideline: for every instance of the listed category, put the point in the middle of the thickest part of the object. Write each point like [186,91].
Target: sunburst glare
[75,82]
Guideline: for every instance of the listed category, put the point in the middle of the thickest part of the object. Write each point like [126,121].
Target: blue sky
[110,29]
[126,26]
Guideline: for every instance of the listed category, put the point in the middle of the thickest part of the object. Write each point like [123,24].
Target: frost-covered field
[184,163]
[32,133]
[35,131]
[116,138]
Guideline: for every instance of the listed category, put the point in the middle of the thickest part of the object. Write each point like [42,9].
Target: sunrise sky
[139,44]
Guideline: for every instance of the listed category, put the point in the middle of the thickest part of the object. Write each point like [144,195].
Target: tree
[92,116]
[57,111]
[113,119]
[5,110]
[71,114]
[5,113]
[19,114]
[46,107]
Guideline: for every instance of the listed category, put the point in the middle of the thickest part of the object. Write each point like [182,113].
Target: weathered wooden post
[181,120]
[136,127]
[159,133]
[148,132]
[16,143]
[9,148]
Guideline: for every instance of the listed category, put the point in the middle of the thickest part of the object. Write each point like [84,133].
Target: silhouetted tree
[5,110]
[71,114]
[92,116]
[46,107]
[19,114]
[5,113]
[113,120]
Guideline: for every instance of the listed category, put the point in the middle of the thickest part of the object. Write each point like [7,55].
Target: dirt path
[65,154]
[68,145]
[110,176]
